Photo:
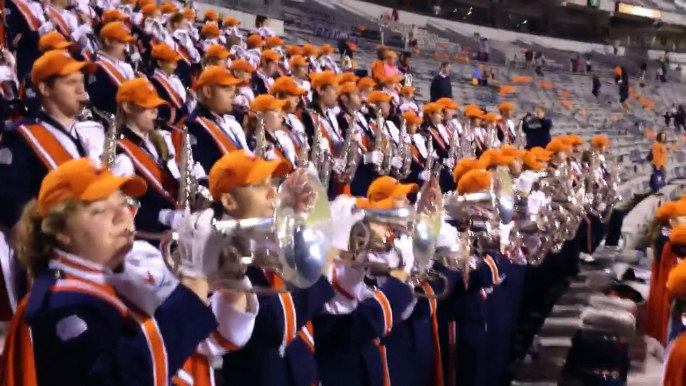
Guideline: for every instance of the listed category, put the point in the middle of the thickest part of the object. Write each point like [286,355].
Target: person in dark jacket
[537,128]
[440,85]
[596,85]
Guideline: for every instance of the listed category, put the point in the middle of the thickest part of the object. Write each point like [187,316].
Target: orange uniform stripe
[386,308]
[289,323]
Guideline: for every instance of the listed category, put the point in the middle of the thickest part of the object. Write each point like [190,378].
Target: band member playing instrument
[216,132]
[450,121]
[350,117]
[73,25]
[299,72]
[418,148]
[280,351]
[254,44]
[243,71]
[25,22]
[77,319]
[168,85]
[326,62]
[293,138]
[357,319]
[230,27]
[216,55]
[310,53]
[365,85]
[179,39]
[263,78]
[440,137]
[507,132]
[407,100]
[210,34]
[264,126]
[112,69]
[276,44]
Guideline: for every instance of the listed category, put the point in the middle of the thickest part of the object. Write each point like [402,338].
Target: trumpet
[294,243]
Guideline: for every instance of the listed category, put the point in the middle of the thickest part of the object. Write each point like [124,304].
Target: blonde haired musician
[33,147]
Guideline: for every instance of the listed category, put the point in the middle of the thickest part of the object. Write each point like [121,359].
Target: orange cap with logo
[210,29]
[270,55]
[474,181]
[531,161]
[254,40]
[216,51]
[210,14]
[347,88]
[274,41]
[118,31]
[448,103]
[84,179]
[163,52]
[141,92]
[411,118]
[600,140]
[113,15]
[309,50]
[293,50]
[286,85]
[366,82]
[241,65]
[266,102]
[388,187]
[377,96]
[321,79]
[431,108]
[239,168]
[231,21]
[506,106]
[53,40]
[216,76]
[349,77]
[56,63]
[149,9]
[297,60]
[168,8]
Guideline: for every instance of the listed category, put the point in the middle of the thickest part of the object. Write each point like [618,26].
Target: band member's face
[168,67]
[449,113]
[61,3]
[300,72]
[354,100]
[215,62]
[157,15]
[516,167]
[220,98]
[477,122]
[102,231]
[143,118]
[505,114]
[256,200]
[364,92]
[412,129]
[540,113]
[436,117]
[385,108]
[328,95]
[68,93]
[272,119]
[117,48]
[242,75]
[270,67]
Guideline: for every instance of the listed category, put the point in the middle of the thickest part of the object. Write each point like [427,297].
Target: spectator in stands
[395,15]
[528,57]
[441,86]
[622,79]
[680,118]
[262,27]
[537,127]
[477,74]
[378,68]
[644,69]
[596,85]
[405,62]
[539,61]
[412,37]
[658,158]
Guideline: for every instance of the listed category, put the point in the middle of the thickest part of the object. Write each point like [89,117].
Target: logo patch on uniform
[70,327]
[5,156]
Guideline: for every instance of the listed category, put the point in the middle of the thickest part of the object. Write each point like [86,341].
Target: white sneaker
[587,258]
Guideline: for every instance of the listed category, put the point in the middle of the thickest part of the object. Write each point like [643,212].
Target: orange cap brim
[131,186]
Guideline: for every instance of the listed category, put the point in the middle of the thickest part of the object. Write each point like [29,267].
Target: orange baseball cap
[531,161]
[210,14]
[254,40]
[366,82]
[239,168]
[556,146]
[84,179]
[407,90]
[388,187]
[474,181]
[348,87]
[506,106]
[309,50]
[165,53]
[216,76]
[321,79]
[231,21]
[270,55]
[53,40]
[325,49]
[217,51]
[113,14]
[274,41]
[349,77]
[377,96]
[241,65]
[266,102]
[293,50]
[512,152]
[600,140]
[448,103]
[411,118]
[141,92]
[490,117]
[149,9]
[363,203]
[286,85]
[430,108]
[466,164]
[297,60]
[189,13]
[168,8]
[389,79]
[118,31]
[210,29]
[57,62]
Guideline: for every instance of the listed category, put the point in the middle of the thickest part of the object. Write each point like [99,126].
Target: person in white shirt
[242,70]
[262,27]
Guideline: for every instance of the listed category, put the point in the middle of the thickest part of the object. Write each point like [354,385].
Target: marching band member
[262,27]
[350,106]
[25,23]
[263,78]
[277,145]
[180,40]
[506,126]
[151,156]
[451,123]
[407,100]
[280,351]
[210,16]
[112,69]
[77,320]
[216,132]
[216,55]
[253,53]
[299,72]
[310,53]
[326,62]
[600,144]
[366,85]
[293,50]
[168,84]
[210,34]
[433,125]
[230,27]
[243,71]
[675,351]
[72,24]
[389,85]
[420,152]
[290,141]
[275,44]
[358,317]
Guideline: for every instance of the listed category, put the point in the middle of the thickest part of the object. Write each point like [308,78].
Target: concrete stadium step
[559,327]
[571,299]
[567,311]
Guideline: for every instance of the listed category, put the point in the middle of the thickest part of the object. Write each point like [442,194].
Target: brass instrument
[429,163]
[379,137]
[191,195]
[109,148]
[321,160]
[351,151]
[491,132]
[468,141]
[294,243]
[453,145]
[519,136]
[261,146]
[404,151]
[421,223]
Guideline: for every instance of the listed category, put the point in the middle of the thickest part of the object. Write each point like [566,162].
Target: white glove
[397,162]
[524,183]
[200,245]
[588,198]
[198,171]
[404,246]
[171,218]
[373,157]
[342,210]
[424,176]
[339,165]
[505,230]
[449,163]
[324,146]
[45,28]
[83,29]
[448,237]
[123,166]
[534,202]
[602,206]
